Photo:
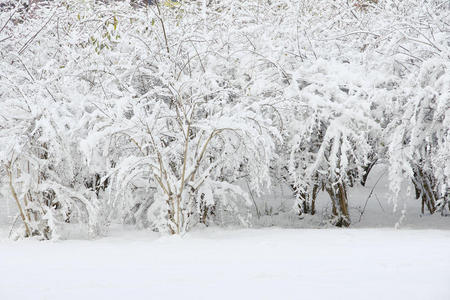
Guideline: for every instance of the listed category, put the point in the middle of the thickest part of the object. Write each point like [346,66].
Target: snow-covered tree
[43,118]
[328,138]
[419,143]
[185,129]
[157,114]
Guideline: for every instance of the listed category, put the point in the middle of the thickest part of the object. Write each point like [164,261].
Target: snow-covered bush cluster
[156,114]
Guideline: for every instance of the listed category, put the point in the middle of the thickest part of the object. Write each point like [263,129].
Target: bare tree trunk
[426,190]
[339,202]
[19,206]
[307,200]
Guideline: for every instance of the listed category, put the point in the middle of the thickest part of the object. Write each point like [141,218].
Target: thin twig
[370,194]
[381,206]
[36,34]
[253,199]
[163,27]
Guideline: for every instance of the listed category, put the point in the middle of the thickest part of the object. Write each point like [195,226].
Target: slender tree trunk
[339,202]
[426,190]
[19,206]
[307,200]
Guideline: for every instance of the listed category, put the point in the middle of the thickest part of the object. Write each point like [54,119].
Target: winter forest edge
[178,114]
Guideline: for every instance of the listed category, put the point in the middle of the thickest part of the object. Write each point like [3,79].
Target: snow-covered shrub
[419,144]
[322,96]
[329,136]
[351,76]
[157,114]
[165,114]
[44,117]
[417,135]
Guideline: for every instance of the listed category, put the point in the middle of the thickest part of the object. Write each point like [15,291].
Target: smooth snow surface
[232,264]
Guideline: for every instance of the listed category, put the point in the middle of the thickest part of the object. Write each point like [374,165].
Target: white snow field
[372,260]
[270,263]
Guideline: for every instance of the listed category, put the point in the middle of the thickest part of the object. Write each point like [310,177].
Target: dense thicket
[156,115]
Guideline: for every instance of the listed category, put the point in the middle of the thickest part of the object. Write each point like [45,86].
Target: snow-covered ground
[370,206]
[371,260]
[270,263]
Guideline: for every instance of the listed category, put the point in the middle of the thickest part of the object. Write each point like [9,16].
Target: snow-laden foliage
[43,118]
[419,143]
[110,90]
[182,130]
[157,114]
[329,136]
[352,83]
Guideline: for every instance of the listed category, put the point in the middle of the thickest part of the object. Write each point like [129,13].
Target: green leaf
[115,23]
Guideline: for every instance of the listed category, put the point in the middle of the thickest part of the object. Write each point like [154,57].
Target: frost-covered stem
[425,190]
[162,172]
[9,19]
[186,147]
[253,199]
[19,206]
[199,159]
[162,26]
[313,200]
[307,199]
[25,201]
[36,34]
[338,195]
[159,178]
[333,201]
[343,203]
[28,194]
[367,168]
